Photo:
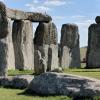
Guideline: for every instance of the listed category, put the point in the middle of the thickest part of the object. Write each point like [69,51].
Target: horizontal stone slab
[32,16]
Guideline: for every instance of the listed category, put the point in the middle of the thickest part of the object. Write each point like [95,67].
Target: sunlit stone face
[70,35]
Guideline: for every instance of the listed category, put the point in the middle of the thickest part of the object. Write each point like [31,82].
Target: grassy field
[16,94]
[18,72]
[93,73]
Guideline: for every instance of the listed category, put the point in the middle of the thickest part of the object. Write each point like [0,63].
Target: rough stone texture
[3,21]
[62,84]
[10,50]
[7,60]
[20,81]
[46,48]
[3,57]
[23,44]
[97,19]
[69,43]
[39,62]
[32,16]
[93,51]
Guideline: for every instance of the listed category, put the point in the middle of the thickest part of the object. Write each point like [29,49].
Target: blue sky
[80,12]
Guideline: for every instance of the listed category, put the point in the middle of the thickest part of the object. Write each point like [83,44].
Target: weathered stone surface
[52,57]
[20,81]
[46,48]
[39,62]
[32,16]
[10,51]
[46,33]
[62,84]
[3,21]
[69,43]
[93,51]
[7,53]
[97,19]
[3,57]
[23,44]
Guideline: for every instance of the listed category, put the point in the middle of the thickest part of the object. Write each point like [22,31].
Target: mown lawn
[18,72]
[93,73]
[16,94]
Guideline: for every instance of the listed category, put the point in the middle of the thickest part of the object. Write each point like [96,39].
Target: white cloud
[45,5]
[54,3]
[35,1]
[2,0]
[78,17]
[36,8]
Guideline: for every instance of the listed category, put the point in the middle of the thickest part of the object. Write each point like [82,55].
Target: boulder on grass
[61,84]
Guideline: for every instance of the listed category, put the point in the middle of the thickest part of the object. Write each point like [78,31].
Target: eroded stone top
[32,16]
[69,35]
[46,33]
[22,15]
[97,19]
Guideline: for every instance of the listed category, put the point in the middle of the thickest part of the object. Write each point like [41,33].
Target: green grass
[17,72]
[15,94]
[93,73]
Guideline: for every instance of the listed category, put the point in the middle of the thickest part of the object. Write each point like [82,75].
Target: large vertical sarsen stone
[93,51]
[7,58]
[3,21]
[23,44]
[45,48]
[69,43]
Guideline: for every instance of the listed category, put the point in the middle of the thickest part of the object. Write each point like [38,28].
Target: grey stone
[97,19]
[93,51]
[23,44]
[32,16]
[3,57]
[7,58]
[21,81]
[39,62]
[5,81]
[45,42]
[10,50]
[62,84]
[17,82]
[3,21]
[69,43]
[46,33]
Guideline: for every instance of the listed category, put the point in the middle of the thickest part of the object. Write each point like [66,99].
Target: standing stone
[3,21]
[7,60]
[46,48]
[10,50]
[93,51]
[3,57]
[69,43]
[23,44]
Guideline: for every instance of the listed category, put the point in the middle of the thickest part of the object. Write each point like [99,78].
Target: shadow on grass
[64,97]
